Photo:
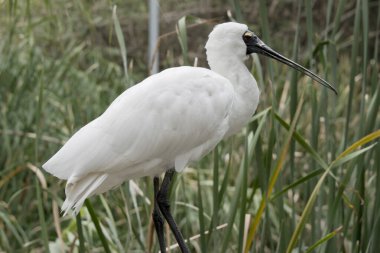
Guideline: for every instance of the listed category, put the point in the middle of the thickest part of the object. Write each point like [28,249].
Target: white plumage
[166,121]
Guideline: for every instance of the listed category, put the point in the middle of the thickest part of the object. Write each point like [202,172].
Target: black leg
[157,218]
[163,203]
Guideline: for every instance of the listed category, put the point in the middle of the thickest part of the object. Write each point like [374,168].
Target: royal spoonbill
[164,122]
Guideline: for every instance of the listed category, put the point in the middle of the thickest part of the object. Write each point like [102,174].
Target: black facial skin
[255,45]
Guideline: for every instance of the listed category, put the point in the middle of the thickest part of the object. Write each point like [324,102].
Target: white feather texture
[166,121]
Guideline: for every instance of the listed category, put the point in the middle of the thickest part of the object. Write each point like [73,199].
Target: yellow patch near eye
[248,34]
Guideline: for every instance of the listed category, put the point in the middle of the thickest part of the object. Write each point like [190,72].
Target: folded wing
[167,120]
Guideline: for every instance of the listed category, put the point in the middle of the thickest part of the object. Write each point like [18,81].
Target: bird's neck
[245,86]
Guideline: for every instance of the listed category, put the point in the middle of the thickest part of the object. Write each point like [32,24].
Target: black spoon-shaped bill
[255,45]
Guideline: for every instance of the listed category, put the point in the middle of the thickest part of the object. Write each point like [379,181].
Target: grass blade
[273,179]
[41,214]
[323,240]
[302,141]
[80,233]
[99,230]
[297,182]
[243,205]
[233,209]
[121,40]
[201,217]
[308,208]
[182,37]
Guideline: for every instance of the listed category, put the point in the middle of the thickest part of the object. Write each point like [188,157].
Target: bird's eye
[247,35]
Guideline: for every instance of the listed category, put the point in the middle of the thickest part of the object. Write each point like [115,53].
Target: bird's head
[236,40]
[226,39]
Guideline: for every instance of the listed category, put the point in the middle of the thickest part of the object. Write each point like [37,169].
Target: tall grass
[303,176]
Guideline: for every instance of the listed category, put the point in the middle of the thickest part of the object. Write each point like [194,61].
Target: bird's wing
[171,117]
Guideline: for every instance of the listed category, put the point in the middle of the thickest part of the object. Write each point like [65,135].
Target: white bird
[166,121]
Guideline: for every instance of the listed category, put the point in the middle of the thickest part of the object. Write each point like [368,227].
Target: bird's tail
[78,191]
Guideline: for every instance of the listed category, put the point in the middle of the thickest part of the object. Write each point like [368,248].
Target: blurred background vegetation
[313,186]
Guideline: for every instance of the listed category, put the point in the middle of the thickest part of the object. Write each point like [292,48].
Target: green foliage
[303,176]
